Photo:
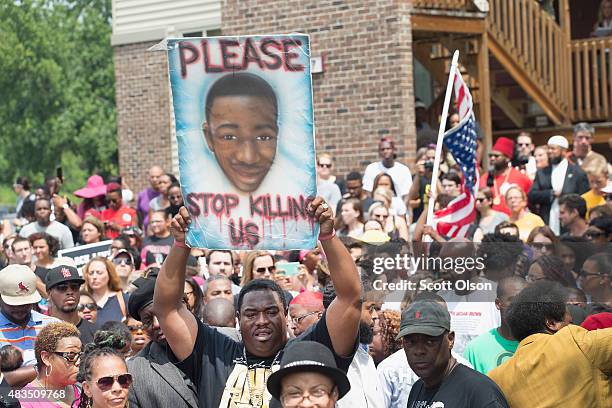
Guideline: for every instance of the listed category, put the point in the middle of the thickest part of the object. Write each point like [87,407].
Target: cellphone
[289,268]
[59,173]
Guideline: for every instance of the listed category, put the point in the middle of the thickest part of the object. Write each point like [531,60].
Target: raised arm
[345,311]
[178,324]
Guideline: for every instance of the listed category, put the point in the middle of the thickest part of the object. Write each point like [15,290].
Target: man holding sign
[233,374]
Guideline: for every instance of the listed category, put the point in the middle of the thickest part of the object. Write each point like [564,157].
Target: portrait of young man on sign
[245,133]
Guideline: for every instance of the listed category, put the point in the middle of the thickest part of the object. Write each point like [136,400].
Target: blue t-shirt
[112,310]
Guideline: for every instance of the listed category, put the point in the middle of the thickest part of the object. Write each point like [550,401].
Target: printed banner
[245,133]
[82,254]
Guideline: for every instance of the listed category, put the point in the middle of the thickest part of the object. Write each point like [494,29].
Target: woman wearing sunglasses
[58,353]
[88,309]
[104,375]
[258,265]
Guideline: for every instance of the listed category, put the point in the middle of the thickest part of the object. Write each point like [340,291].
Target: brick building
[527,69]
[365,91]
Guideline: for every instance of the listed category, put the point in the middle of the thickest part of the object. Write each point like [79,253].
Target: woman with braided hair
[104,374]
[552,268]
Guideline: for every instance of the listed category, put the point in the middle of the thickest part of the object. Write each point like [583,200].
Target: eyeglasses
[136,327]
[325,165]
[124,261]
[70,356]
[317,396]
[270,269]
[90,306]
[63,287]
[299,319]
[106,383]
[541,245]
[584,274]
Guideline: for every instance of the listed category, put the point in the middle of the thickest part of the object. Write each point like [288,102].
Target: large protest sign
[84,253]
[245,133]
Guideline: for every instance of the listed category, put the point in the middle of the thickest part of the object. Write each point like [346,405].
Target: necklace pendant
[496,201]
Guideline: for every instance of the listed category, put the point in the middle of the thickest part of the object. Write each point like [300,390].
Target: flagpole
[436,168]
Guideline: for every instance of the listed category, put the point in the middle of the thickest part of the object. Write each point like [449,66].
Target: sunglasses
[325,165]
[90,306]
[63,287]
[541,245]
[124,261]
[270,269]
[70,356]
[106,383]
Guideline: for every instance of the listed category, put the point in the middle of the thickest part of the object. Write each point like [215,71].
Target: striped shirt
[23,337]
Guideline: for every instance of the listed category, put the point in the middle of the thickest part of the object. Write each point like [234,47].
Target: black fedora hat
[308,356]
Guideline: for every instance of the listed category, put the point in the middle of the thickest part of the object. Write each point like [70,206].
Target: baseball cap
[18,286]
[61,274]
[424,317]
[123,252]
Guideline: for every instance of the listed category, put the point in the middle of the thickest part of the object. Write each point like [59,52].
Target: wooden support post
[484,92]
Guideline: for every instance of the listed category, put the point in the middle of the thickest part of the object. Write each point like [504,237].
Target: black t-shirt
[155,250]
[41,272]
[217,367]
[87,330]
[463,387]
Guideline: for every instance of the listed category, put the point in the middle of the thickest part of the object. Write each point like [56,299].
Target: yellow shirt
[526,223]
[568,369]
[592,200]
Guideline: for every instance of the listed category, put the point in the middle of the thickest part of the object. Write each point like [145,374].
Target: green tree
[57,95]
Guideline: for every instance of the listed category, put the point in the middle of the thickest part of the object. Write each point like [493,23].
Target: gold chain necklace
[256,395]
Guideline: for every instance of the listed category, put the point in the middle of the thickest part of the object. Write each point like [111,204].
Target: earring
[47,371]
[88,404]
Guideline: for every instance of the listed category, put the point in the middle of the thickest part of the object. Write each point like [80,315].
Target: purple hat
[95,187]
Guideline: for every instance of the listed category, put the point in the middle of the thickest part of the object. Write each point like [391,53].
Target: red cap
[504,146]
[598,321]
[112,187]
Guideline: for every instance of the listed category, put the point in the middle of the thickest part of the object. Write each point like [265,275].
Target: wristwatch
[65,206]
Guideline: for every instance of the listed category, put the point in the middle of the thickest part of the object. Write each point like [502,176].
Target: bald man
[146,195]
[220,312]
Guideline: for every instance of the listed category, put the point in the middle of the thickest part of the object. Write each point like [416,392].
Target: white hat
[558,141]
[18,286]
[608,188]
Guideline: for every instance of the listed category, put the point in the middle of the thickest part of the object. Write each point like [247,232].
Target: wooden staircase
[534,69]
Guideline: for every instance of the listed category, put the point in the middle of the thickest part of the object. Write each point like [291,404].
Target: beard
[555,160]
[366,334]
[501,165]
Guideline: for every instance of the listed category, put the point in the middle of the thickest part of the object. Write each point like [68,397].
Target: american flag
[454,221]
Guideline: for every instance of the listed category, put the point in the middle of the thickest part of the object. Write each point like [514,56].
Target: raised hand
[180,224]
[322,213]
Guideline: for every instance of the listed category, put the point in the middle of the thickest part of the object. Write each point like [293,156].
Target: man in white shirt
[326,185]
[400,174]
[43,223]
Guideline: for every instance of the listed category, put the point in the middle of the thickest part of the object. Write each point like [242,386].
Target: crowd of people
[157,323]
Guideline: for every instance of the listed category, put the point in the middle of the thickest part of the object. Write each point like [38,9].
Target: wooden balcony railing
[536,42]
[592,79]
[441,4]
